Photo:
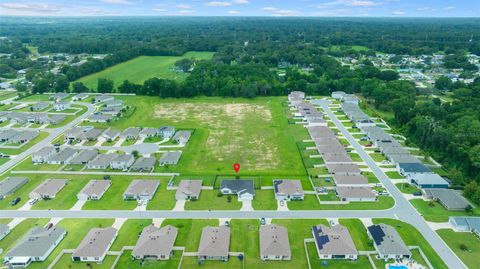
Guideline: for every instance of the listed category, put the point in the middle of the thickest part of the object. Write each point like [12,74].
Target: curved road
[403,209]
[45,142]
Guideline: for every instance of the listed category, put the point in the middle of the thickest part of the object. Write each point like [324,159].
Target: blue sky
[319,8]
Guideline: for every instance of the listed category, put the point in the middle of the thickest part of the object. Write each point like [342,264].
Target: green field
[142,68]
[455,240]
[435,212]
[252,132]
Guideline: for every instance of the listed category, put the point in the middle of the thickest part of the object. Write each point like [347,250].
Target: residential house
[182,137]
[43,154]
[100,118]
[62,105]
[286,190]
[428,180]
[144,164]
[23,137]
[155,243]
[114,103]
[80,96]
[337,158]
[62,157]
[111,134]
[130,133]
[274,244]
[103,98]
[450,199]
[344,181]
[411,169]
[36,246]
[334,242]
[148,132]
[387,242]
[84,157]
[122,162]
[338,95]
[243,188]
[95,245]
[48,189]
[214,243]
[102,161]
[188,190]
[10,185]
[170,158]
[346,169]
[142,190]
[74,134]
[39,106]
[466,224]
[59,96]
[356,194]
[111,111]
[94,190]
[92,134]
[166,131]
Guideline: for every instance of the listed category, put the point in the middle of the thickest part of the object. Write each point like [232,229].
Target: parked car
[417,193]
[227,223]
[368,145]
[262,221]
[15,201]
[32,201]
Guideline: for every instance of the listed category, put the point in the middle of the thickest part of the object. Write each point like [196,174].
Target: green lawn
[435,212]
[129,233]
[309,202]
[209,199]
[393,175]
[264,200]
[407,188]
[66,197]
[378,157]
[383,202]
[412,237]
[163,199]
[66,262]
[455,240]
[359,233]
[142,68]
[189,231]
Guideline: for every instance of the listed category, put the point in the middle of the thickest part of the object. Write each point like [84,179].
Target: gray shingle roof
[214,242]
[355,192]
[144,163]
[387,240]
[96,243]
[189,187]
[103,160]
[171,157]
[63,155]
[96,187]
[274,241]
[156,241]
[288,187]
[449,198]
[342,168]
[142,187]
[350,180]
[238,186]
[335,240]
[49,187]
[11,184]
[84,156]
[37,243]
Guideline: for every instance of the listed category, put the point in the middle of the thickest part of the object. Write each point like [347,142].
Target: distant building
[80,96]
[356,194]
[166,131]
[102,161]
[144,164]
[103,98]
[170,158]
[43,155]
[142,190]
[450,199]
[4,230]
[466,224]
[62,105]
[428,180]
[122,162]
[10,185]
[131,133]
[48,189]
[182,137]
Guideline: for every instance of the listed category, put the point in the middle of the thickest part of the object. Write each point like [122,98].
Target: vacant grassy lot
[455,240]
[209,199]
[435,212]
[252,132]
[412,237]
[407,188]
[142,68]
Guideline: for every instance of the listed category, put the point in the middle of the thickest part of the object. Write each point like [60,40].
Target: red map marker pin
[236,167]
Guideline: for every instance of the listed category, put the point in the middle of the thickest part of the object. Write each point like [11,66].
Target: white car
[32,201]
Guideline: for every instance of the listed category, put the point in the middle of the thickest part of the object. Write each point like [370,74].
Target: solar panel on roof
[377,233]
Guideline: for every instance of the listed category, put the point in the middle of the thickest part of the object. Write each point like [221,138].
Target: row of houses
[23,118]
[335,156]
[305,111]
[433,186]
[10,136]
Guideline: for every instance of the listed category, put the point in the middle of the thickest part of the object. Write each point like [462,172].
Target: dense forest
[249,53]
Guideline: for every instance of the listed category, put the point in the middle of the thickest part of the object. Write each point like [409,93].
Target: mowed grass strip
[457,240]
[142,68]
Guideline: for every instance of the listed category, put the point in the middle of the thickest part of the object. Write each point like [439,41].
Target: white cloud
[233,12]
[186,12]
[160,10]
[240,2]
[32,7]
[218,4]
[399,12]
[268,8]
[423,8]
[448,8]
[121,2]
[184,6]
[286,12]
[350,3]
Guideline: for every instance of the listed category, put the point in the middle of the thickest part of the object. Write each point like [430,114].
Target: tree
[229,198]
[470,189]
[105,85]
[135,153]
[443,83]
[79,87]
[61,84]
[184,64]
[469,209]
